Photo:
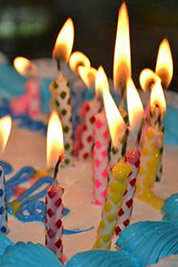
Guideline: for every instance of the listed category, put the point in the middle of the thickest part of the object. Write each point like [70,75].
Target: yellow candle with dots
[115,192]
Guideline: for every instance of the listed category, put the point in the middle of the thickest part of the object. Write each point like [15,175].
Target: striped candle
[53,222]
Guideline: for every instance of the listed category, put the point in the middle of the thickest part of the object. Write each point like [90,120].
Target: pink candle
[32,89]
[87,140]
[53,219]
[100,156]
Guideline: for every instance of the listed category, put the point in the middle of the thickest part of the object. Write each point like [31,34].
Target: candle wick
[140,133]
[56,169]
[58,65]
[125,137]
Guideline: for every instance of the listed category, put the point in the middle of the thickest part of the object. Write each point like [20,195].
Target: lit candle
[101,145]
[60,92]
[87,113]
[53,199]
[117,129]
[5,128]
[151,144]
[122,56]
[132,156]
[30,102]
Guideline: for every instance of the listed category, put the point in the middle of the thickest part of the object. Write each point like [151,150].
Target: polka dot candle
[100,157]
[61,101]
[3,204]
[87,140]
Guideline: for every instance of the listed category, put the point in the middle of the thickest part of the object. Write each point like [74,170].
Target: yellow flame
[5,129]
[115,121]
[22,65]
[147,79]
[55,143]
[122,57]
[134,104]
[88,75]
[101,83]
[157,97]
[77,60]
[164,64]
[64,42]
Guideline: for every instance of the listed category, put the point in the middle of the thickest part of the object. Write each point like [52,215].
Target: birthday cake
[88,209]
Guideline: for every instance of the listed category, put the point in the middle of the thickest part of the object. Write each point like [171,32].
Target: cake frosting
[149,237]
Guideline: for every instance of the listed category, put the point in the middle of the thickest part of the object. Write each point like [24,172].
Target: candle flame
[22,65]
[147,79]
[164,64]
[122,57]
[55,145]
[88,75]
[115,121]
[77,60]
[157,98]
[134,104]
[64,42]
[5,129]
[101,83]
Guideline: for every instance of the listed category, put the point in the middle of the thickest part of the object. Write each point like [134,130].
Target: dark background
[30,27]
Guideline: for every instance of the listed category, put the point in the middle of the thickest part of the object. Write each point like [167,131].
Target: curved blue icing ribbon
[76,231]
[6,167]
[28,254]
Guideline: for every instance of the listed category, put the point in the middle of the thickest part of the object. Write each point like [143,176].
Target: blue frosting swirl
[30,254]
[170,209]
[100,258]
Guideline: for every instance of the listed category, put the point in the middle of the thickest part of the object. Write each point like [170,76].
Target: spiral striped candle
[115,192]
[87,140]
[61,101]
[3,204]
[132,158]
[53,222]
[100,157]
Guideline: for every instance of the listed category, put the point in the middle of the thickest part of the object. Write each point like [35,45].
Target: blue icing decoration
[100,258]
[6,167]
[171,126]
[30,254]
[170,209]
[4,242]
[148,242]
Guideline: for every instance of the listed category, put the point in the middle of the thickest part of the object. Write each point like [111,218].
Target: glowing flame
[101,84]
[22,65]
[64,43]
[55,145]
[164,64]
[115,121]
[122,57]
[88,75]
[77,60]
[134,104]
[147,79]
[5,128]
[157,97]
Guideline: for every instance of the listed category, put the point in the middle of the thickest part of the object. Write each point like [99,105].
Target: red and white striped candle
[53,219]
